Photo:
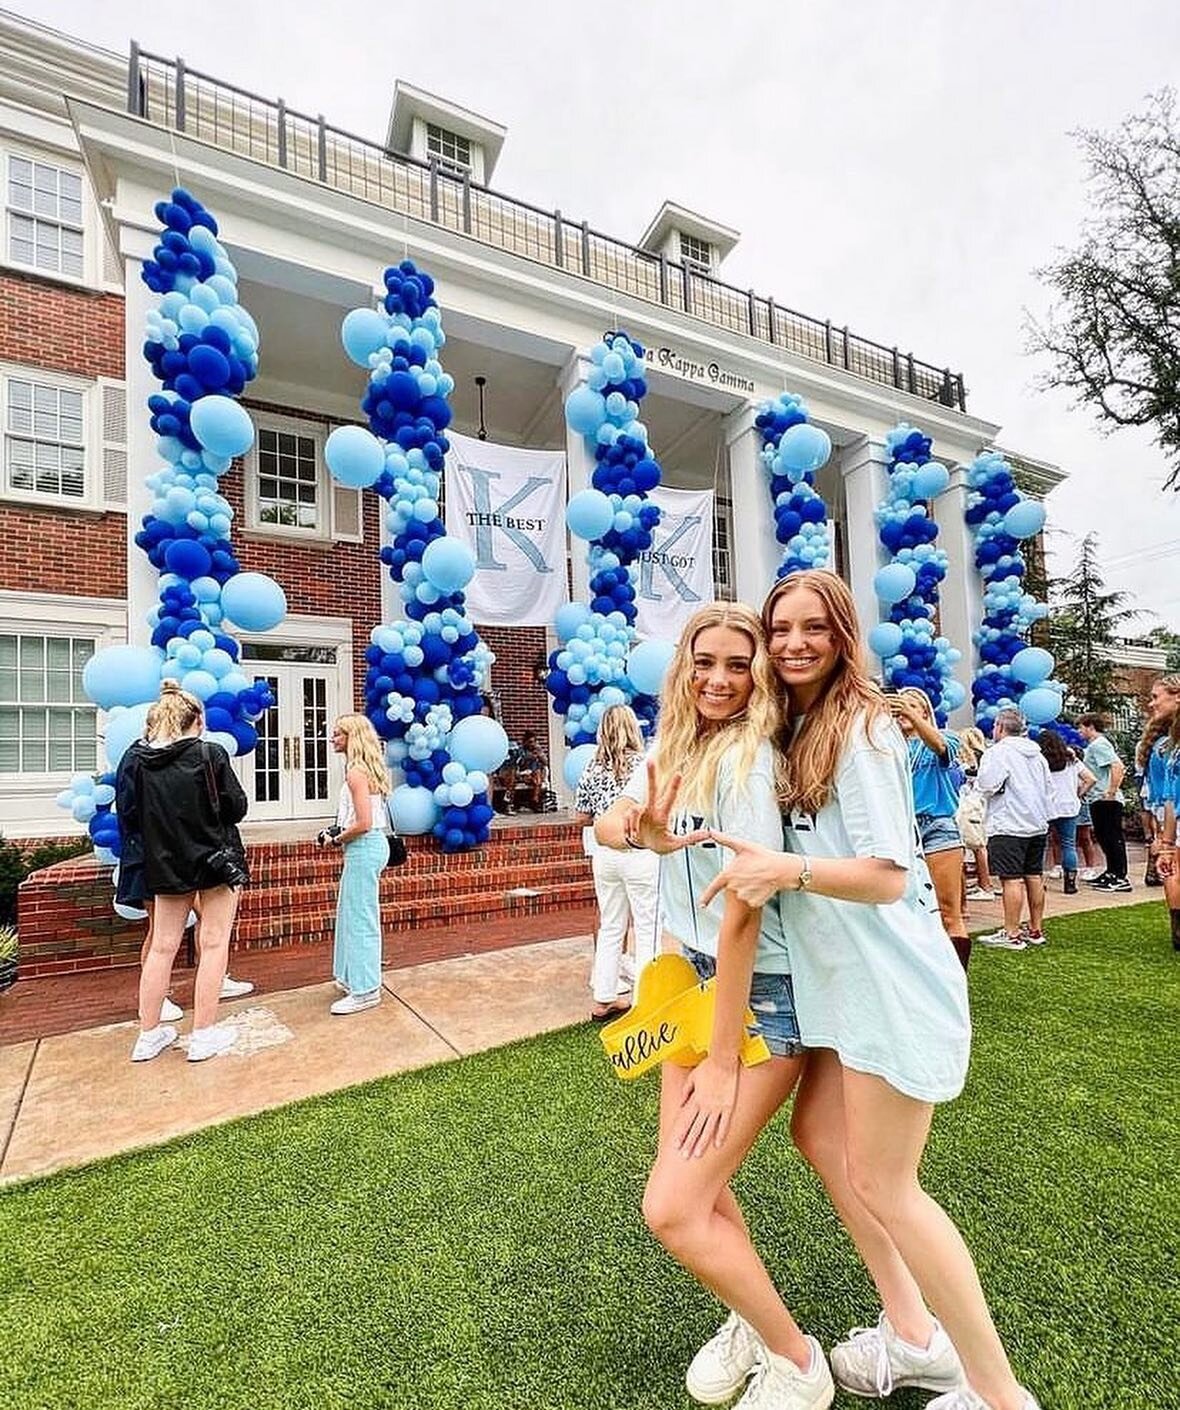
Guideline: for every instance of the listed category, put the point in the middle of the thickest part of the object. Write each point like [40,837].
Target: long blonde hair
[812,756]
[1171,683]
[619,741]
[363,751]
[971,746]
[920,698]
[173,714]
[692,747]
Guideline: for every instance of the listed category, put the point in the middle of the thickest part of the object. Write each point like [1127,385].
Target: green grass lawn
[469,1236]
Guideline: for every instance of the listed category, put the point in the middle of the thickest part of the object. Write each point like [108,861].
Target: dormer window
[449,147]
[696,252]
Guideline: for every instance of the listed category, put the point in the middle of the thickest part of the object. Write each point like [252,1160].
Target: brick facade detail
[45,324]
[524,704]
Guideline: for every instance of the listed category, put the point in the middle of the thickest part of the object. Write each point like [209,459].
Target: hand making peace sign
[650,826]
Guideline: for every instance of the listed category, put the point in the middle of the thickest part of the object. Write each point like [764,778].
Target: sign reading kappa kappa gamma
[508,506]
[676,573]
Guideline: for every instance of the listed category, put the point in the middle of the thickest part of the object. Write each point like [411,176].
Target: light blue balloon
[1040,705]
[123,730]
[1026,519]
[354,456]
[1032,666]
[202,684]
[569,618]
[227,741]
[930,480]
[449,564]
[885,639]
[478,742]
[804,448]
[954,694]
[254,601]
[222,425]
[413,810]
[589,514]
[585,411]
[894,582]
[122,675]
[363,334]
[575,764]
[648,663]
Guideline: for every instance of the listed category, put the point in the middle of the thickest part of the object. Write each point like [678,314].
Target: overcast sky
[899,165]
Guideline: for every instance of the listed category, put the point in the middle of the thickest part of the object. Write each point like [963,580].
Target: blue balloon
[804,448]
[221,425]
[354,456]
[1040,705]
[895,582]
[575,764]
[885,639]
[449,564]
[413,810]
[954,694]
[1025,519]
[254,601]
[123,675]
[187,558]
[585,411]
[1032,665]
[648,663]
[363,333]
[589,514]
[569,618]
[478,742]
[930,480]
[123,730]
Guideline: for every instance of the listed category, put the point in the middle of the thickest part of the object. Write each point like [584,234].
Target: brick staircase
[66,922]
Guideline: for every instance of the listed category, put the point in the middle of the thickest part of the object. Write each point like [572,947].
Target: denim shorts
[1084,818]
[772,1000]
[938,834]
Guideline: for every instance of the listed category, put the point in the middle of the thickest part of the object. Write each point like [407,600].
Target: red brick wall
[524,704]
[63,550]
[46,325]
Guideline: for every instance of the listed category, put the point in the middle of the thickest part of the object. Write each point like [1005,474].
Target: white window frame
[694,261]
[89,227]
[446,137]
[92,442]
[326,532]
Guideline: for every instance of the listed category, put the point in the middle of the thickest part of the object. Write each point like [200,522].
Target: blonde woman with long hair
[714,766]
[882,1004]
[362,822]
[1163,786]
[626,883]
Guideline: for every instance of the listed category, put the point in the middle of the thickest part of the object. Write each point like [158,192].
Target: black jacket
[171,807]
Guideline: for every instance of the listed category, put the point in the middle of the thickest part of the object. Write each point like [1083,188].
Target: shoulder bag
[228,863]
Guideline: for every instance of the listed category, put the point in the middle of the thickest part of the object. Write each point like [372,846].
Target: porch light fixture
[541,667]
[481,382]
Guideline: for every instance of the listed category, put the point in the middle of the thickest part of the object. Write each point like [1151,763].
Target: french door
[293,772]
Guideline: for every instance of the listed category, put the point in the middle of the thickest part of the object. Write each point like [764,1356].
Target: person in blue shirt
[937,779]
[1162,785]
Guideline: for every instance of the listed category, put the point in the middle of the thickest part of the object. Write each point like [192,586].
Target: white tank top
[346,812]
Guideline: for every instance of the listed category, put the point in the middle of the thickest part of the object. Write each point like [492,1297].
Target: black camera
[228,865]
[328,834]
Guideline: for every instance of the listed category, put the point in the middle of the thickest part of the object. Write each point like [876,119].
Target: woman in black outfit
[185,802]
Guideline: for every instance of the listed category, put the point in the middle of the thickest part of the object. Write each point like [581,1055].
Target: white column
[866,480]
[961,592]
[756,551]
[580,462]
[142,456]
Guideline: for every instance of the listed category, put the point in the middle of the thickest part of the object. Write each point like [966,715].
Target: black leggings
[1107,816]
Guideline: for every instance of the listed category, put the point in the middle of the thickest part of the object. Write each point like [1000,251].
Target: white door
[293,772]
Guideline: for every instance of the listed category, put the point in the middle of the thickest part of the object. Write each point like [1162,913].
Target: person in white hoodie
[1014,778]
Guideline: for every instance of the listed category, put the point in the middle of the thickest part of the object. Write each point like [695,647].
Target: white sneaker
[874,1362]
[356,1003]
[778,1384]
[235,988]
[965,1399]
[152,1043]
[209,1042]
[723,1365]
[1053,874]
[1001,940]
[1091,873]
[170,1012]
[977,893]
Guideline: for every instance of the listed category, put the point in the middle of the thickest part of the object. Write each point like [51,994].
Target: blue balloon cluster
[91,801]
[426,672]
[911,654]
[999,517]
[792,451]
[589,671]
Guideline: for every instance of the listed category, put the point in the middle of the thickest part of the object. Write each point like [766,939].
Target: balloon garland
[911,654]
[203,346]
[600,661]
[1010,671]
[792,451]
[426,671]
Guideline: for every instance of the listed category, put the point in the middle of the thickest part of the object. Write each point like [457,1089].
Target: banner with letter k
[676,573]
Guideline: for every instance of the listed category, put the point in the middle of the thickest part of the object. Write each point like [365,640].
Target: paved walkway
[72,1097]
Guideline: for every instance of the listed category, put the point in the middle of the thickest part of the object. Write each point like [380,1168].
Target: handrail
[168,92]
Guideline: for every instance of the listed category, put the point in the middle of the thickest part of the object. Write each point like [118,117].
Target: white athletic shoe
[235,988]
[356,1003]
[965,1399]
[977,893]
[1001,940]
[209,1042]
[1053,874]
[152,1043]
[874,1362]
[725,1362]
[778,1384]
[170,1012]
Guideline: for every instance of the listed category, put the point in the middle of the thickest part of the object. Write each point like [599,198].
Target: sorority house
[91,140]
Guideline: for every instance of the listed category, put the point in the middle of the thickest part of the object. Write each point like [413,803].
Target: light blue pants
[356,960]
[1067,833]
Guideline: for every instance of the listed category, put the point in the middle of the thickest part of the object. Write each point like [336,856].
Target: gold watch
[804,875]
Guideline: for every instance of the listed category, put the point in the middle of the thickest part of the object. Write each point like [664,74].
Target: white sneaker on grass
[209,1042]
[356,1003]
[778,1384]
[874,1362]
[965,1399]
[170,1012]
[725,1362]
[235,988]
[152,1043]
[1001,940]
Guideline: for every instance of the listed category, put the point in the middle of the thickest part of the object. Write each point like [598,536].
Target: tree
[1168,641]
[1114,333]
[1085,624]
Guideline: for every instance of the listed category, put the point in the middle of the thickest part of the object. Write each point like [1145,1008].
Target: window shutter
[348,522]
[113,409]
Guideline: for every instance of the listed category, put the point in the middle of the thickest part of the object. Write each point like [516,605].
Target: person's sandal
[603,1013]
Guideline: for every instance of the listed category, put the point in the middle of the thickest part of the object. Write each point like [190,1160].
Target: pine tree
[1085,625]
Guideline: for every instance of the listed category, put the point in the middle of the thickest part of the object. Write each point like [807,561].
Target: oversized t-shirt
[936,780]
[746,808]
[1100,758]
[880,984]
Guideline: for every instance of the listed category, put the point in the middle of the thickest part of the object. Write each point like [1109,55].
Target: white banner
[508,506]
[676,573]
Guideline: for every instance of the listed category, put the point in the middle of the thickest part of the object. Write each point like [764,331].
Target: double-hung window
[44,217]
[289,492]
[47,725]
[449,147]
[44,438]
